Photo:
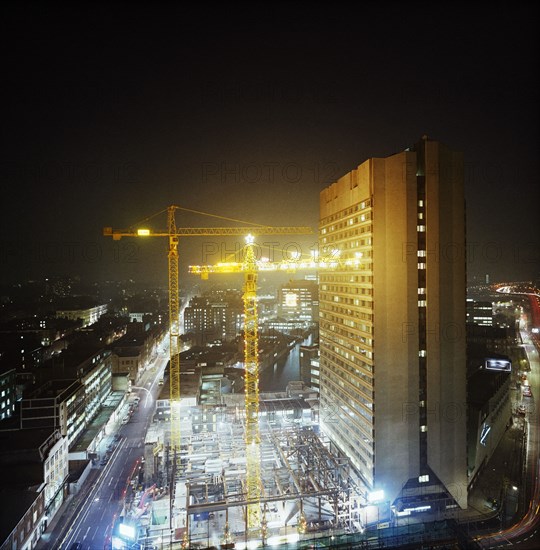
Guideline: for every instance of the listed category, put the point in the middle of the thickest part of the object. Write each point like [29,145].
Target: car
[492,503]
[160,381]
[527,391]
[522,409]
[125,420]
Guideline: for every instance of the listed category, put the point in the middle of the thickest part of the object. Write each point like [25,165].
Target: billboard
[504,365]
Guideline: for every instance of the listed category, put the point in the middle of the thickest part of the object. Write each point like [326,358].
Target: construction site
[305,489]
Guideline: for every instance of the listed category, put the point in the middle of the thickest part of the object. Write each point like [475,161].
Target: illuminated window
[421,228]
[423,428]
[423,479]
[421,253]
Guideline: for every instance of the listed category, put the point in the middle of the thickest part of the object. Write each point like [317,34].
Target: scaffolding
[304,486]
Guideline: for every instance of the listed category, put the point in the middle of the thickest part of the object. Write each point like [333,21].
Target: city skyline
[115,112]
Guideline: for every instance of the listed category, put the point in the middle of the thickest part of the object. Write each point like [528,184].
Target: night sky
[111,113]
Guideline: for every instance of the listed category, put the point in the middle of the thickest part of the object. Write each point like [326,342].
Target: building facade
[88,315]
[309,366]
[392,324]
[70,404]
[299,300]
[8,392]
[209,319]
[479,313]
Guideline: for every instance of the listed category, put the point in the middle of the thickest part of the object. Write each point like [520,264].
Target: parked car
[522,409]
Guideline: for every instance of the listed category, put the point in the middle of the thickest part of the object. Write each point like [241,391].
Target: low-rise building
[488,416]
[88,315]
[8,392]
[37,460]
[70,404]
[23,520]
[134,352]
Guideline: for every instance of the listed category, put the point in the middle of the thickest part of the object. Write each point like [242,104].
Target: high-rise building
[392,325]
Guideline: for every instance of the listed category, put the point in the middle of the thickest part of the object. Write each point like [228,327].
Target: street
[95,515]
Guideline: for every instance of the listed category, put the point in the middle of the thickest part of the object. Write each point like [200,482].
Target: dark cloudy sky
[111,113]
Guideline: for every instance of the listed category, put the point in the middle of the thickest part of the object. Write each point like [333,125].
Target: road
[93,521]
[526,532]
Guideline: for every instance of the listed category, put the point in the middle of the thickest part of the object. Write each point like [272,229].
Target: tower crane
[250,267]
[173,233]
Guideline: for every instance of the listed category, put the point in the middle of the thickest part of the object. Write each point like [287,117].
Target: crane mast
[251,366]
[174,332]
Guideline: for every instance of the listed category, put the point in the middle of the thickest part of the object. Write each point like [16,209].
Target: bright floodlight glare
[127,531]
[376,496]
[274,541]
[143,232]
[295,254]
[250,239]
